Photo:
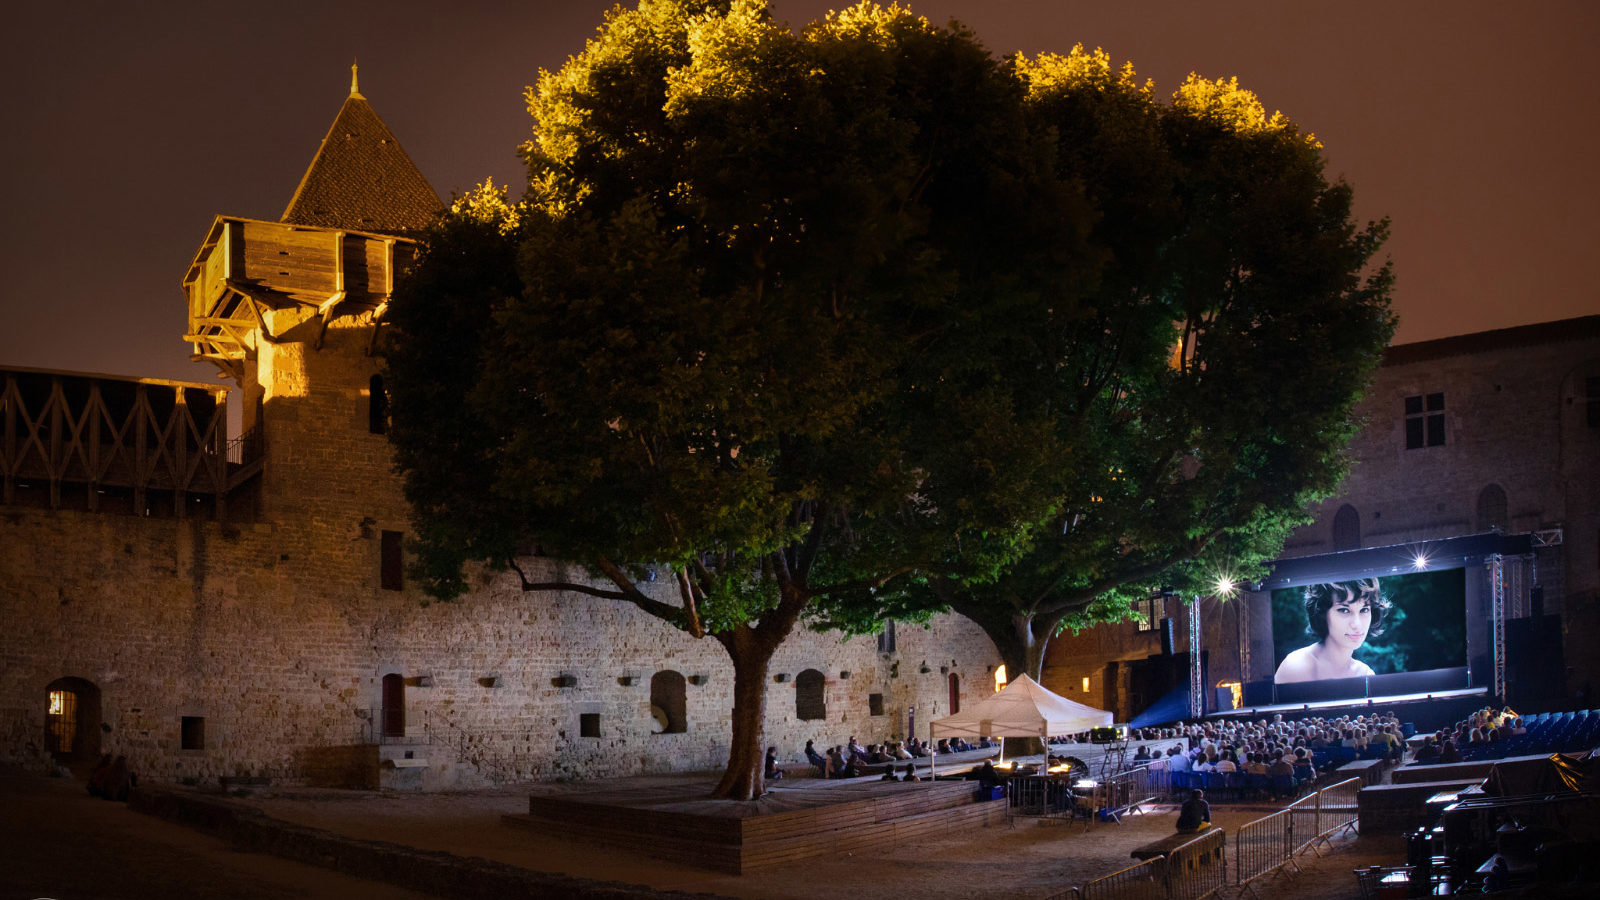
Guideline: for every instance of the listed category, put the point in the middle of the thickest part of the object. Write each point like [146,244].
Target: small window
[1086,684]
[809,704]
[955,693]
[392,563]
[1000,679]
[589,725]
[194,733]
[377,406]
[875,704]
[886,637]
[1424,421]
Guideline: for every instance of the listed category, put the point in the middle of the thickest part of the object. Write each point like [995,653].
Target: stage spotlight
[1224,586]
[1420,561]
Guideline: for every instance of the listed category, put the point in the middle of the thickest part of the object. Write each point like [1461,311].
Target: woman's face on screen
[1348,624]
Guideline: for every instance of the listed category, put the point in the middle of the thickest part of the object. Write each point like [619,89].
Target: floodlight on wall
[564,681]
[844,675]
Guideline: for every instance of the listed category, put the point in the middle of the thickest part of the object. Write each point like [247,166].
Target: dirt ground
[1028,860]
[59,842]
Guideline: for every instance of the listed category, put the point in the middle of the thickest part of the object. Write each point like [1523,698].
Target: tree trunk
[746,758]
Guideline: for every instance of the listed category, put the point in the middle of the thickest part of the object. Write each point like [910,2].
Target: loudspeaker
[1167,639]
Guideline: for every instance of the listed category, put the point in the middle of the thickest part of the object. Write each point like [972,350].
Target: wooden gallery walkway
[796,820]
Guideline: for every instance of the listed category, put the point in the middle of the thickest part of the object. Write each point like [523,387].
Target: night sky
[1473,125]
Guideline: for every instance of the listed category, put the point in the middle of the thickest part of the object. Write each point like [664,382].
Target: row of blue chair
[1237,784]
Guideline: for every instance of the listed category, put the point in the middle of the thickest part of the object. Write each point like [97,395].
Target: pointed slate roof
[361,179]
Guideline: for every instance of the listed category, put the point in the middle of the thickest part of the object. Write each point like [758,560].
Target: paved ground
[63,844]
[56,841]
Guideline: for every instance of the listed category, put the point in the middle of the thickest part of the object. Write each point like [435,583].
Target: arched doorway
[394,705]
[72,720]
[810,701]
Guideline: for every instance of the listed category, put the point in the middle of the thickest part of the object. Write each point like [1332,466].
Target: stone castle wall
[1516,417]
[278,632]
[175,618]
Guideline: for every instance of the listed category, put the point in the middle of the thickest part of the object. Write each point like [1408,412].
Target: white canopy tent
[1024,708]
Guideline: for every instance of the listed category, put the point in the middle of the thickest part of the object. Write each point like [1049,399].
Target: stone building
[216,606]
[1490,433]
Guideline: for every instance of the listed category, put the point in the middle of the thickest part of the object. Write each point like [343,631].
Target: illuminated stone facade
[262,638]
[1496,430]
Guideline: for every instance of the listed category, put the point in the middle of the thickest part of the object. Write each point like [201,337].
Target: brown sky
[1473,125]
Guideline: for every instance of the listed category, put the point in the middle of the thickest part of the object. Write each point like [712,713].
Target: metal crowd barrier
[1338,807]
[1261,847]
[1194,870]
[1198,869]
[1264,846]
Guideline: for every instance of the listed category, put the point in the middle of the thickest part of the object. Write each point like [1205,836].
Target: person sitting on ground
[984,744]
[889,775]
[1448,753]
[853,749]
[119,781]
[772,773]
[943,745]
[900,752]
[877,757]
[909,773]
[817,759]
[97,777]
[1195,815]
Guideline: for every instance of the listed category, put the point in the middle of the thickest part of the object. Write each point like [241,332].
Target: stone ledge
[428,871]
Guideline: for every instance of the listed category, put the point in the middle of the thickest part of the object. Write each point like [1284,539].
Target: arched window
[72,719]
[809,704]
[1346,528]
[1492,509]
[377,406]
[955,693]
[667,702]
[1000,679]
[393,716]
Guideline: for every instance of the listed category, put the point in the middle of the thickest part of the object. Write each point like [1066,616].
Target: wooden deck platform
[791,822]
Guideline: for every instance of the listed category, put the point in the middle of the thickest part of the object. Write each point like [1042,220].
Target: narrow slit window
[392,564]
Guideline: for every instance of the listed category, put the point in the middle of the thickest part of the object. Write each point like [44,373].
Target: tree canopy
[859,319]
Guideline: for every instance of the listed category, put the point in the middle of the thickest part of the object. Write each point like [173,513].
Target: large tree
[768,292]
[1208,375]
[860,320]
